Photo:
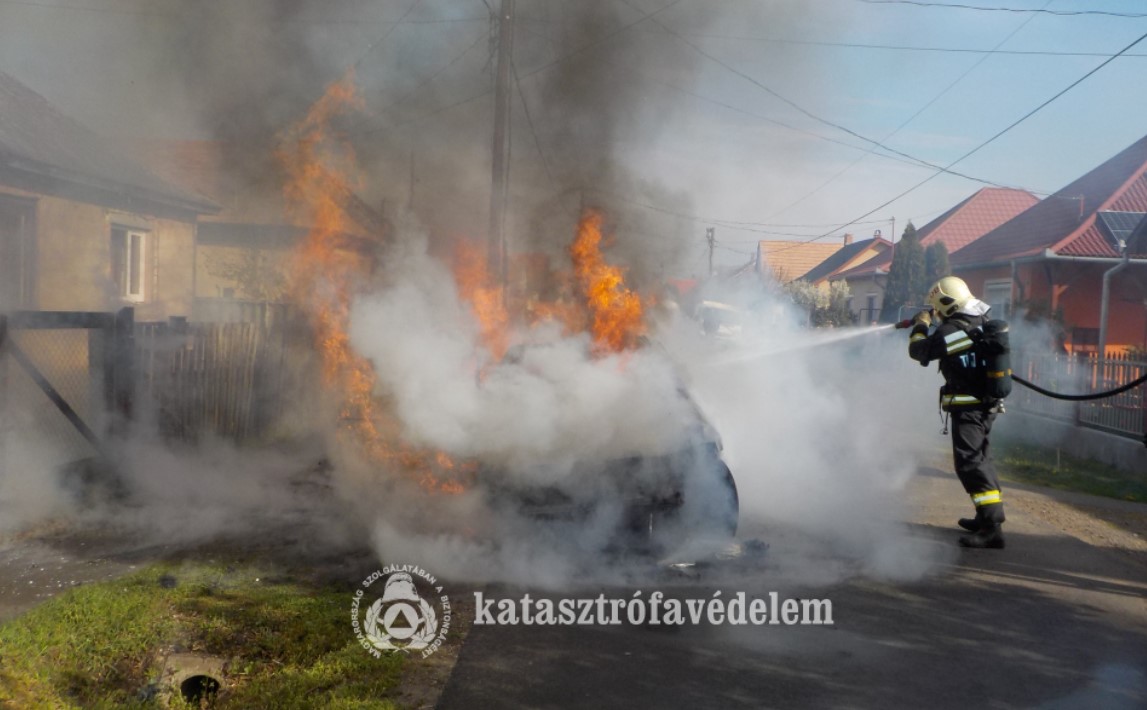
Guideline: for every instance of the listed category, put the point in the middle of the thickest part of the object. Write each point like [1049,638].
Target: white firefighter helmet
[949,295]
[400,586]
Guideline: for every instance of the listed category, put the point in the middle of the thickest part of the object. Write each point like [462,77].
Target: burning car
[655,501]
[638,503]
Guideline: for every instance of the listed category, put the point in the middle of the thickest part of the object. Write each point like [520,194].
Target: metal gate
[66,381]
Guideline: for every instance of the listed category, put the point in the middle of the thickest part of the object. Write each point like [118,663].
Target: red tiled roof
[976,216]
[1065,222]
[971,219]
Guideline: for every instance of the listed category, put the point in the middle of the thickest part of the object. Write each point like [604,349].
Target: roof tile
[1065,221]
[969,220]
[789,259]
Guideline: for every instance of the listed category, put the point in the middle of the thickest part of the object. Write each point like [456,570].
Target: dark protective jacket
[960,361]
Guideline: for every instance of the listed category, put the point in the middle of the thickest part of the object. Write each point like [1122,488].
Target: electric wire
[124,11]
[904,48]
[370,48]
[798,107]
[400,101]
[985,8]
[80,8]
[993,138]
[908,120]
[533,72]
[652,16]
[645,16]
[902,158]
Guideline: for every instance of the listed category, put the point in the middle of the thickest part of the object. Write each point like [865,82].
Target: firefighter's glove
[923,318]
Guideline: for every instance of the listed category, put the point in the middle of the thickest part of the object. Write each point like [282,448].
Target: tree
[906,277]
[825,308]
[936,264]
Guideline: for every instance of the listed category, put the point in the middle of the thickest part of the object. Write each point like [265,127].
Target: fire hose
[1057,395]
[1080,397]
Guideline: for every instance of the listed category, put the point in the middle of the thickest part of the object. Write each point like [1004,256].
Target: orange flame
[616,312]
[475,285]
[320,171]
[612,313]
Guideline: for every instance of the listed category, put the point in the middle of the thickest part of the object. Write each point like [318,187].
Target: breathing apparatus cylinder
[996,351]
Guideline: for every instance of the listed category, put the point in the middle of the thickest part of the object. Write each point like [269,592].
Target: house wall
[74,259]
[1127,313]
[859,288]
[174,264]
[976,279]
[1080,291]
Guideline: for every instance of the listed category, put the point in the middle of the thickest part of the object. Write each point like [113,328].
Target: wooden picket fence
[220,379]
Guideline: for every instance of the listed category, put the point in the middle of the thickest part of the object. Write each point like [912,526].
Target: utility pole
[500,182]
[711,237]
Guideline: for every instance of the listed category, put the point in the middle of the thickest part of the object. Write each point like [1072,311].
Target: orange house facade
[1052,259]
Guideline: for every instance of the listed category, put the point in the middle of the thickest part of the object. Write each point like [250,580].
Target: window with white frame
[129,263]
[998,295]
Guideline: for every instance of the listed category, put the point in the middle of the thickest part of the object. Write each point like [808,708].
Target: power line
[533,130]
[297,20]
[80,8]
[903,48]
[559,60]
[647,16]
[728,224]
[819,119]
[644,16]
[717,102]
[398,102]
[362,21]
[990,140]
[911,118]
[983,8]
[388,33]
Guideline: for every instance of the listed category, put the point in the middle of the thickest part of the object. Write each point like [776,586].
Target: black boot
[973,524]
[988,536]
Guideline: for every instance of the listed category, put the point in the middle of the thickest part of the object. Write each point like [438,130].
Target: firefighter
[957,315]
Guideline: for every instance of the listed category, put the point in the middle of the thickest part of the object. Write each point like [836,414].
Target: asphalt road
[1057,620]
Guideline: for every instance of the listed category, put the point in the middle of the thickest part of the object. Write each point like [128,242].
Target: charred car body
[641,503]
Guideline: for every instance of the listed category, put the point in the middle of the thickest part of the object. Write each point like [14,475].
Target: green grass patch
[1024,463]
[288,645]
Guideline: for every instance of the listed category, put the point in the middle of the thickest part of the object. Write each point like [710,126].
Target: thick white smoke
[819,437]
[549,405]
[29,489]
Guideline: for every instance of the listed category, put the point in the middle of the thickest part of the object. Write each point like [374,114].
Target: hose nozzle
[906,323]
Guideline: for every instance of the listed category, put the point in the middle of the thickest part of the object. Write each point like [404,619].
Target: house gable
[789,260]
[846,258]
[1065,222]
[960,226]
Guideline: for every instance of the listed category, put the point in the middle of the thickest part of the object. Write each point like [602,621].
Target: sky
[753,117]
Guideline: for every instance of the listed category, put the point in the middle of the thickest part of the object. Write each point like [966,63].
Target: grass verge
[286,644]
[1024,463]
